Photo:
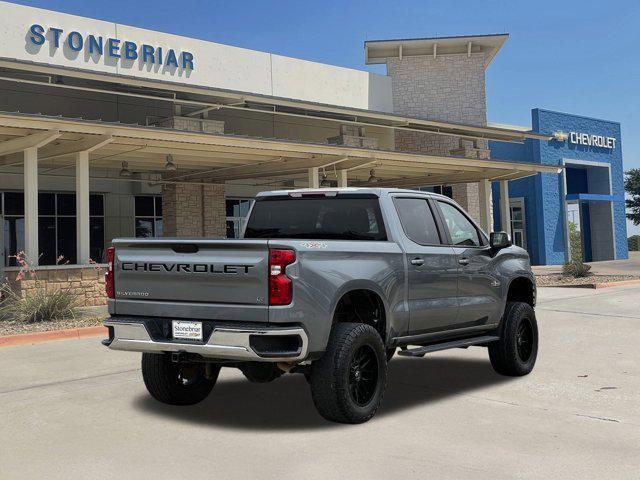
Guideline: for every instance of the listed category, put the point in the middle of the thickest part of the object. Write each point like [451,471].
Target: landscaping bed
[559,280]
[11,327]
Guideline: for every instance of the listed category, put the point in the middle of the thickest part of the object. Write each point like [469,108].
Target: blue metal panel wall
[543,193]
[553,152]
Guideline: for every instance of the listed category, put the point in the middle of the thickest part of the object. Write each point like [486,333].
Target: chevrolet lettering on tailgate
[185,267]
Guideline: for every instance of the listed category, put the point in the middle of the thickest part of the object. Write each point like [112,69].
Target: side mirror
[499,240]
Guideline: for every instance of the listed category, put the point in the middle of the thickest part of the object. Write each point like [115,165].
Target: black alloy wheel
[363,375]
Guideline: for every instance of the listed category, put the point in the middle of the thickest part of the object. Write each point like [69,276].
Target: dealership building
[108,130]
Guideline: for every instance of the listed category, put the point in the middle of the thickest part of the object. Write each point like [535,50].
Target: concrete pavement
[73,409]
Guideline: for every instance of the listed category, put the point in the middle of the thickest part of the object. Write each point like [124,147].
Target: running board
[466,342]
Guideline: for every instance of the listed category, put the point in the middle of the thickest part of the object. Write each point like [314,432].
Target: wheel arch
[522,289]
[362,295]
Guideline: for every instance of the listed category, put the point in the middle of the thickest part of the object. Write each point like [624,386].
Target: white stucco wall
[215,65]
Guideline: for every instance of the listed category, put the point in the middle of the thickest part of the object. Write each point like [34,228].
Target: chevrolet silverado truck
[328,283]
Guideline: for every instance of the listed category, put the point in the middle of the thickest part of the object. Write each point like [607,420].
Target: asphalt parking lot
[73,409]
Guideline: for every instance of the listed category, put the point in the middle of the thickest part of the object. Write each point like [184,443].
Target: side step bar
[465,342]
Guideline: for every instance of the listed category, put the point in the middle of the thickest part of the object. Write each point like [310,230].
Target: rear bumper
[225,343]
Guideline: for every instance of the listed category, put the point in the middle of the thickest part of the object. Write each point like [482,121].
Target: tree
[632,187]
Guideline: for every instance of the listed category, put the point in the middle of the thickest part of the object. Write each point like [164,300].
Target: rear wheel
[516,352]
[183,383]
[348,382]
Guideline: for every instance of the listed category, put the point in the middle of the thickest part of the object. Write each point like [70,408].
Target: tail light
[109,281]
[280,286]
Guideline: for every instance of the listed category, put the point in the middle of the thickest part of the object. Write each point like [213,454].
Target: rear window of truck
[317,218]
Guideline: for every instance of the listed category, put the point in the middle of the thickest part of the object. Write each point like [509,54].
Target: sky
[578,57]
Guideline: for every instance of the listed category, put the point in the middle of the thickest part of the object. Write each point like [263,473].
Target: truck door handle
[463,261]
[417,261]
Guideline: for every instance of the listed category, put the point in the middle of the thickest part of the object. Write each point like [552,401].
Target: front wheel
[183,383]
[516,352]
[348,382]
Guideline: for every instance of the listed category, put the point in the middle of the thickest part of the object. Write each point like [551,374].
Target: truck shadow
[286,403]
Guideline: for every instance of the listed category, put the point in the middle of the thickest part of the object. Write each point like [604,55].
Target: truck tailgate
[179,271]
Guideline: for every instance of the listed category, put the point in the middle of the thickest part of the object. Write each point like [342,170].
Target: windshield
[317,218]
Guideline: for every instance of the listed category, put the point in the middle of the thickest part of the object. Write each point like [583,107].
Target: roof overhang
[220,158]
[199,98]
[377,51]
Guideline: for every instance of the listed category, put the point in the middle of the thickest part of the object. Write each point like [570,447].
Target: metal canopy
[197,100]
[204,157]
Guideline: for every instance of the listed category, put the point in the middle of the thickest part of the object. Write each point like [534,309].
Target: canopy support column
[342,178]
[31,248]
[82,208]
[314,180]
[505,207]
[485,205]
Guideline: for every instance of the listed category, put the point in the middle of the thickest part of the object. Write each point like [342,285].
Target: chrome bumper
[224,343]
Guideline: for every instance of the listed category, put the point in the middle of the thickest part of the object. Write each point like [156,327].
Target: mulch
[558,280]
[9,327]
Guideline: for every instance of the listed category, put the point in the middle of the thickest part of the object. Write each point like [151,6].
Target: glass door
[518,232]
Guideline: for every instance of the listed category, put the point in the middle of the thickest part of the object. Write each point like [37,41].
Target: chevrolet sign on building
[592,140]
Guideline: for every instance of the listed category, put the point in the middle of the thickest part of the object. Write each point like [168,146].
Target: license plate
[186,330]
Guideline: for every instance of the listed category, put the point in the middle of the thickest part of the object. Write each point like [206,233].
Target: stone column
[194,210]
[468,195]
[449,88]
[214,211]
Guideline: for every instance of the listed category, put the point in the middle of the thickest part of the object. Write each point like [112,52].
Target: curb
[615,284]
[51,335]
[596,286]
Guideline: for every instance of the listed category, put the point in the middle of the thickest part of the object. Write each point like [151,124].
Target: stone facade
[194,210]
[214,209]
[352,136]
[192,124]
[449,88]
[87,283]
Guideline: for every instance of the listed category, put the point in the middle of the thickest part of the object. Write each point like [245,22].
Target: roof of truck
[348,190]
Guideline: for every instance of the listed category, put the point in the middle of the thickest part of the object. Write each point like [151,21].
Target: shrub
[38,306]
[576,269]
[575,242]
[634,243]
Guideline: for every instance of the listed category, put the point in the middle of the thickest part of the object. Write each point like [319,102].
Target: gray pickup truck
[328,283]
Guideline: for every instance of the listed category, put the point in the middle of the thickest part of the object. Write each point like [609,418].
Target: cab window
[463,233]
[417,220]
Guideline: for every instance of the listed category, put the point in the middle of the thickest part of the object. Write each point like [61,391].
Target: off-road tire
[515,353]
[334,384]
[162,377]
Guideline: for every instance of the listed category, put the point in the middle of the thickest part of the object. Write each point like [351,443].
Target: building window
[445,190]
[13,211]
[56,227]
[237,211]
[148,215]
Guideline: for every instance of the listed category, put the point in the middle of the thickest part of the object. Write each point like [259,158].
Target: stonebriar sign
[115,48]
